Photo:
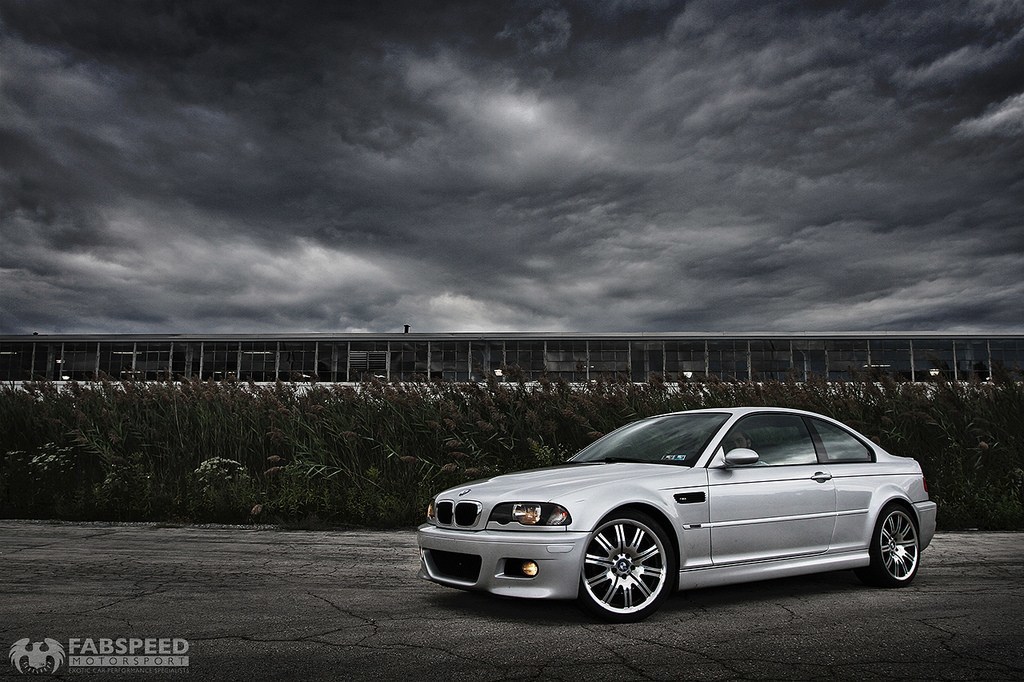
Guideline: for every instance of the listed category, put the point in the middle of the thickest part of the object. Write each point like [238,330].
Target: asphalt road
[269,604]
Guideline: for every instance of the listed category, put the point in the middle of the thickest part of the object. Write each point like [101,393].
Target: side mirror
[741,457]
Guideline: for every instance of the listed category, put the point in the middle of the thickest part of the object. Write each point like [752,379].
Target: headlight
[531,514]
[430,511]
[526,514]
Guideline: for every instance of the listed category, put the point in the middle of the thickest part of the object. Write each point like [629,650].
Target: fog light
[529,568]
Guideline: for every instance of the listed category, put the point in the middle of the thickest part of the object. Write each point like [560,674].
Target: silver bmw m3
[681,501]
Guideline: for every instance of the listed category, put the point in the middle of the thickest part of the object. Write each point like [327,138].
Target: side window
[778,439]
[840,446]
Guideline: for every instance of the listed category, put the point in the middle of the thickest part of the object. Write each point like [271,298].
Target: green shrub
[221,490]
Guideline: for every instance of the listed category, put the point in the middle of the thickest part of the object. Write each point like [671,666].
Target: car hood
[555,484]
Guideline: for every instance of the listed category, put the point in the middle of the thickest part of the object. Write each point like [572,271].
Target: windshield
[669,439]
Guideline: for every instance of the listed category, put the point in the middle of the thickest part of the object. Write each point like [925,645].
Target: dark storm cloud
[626,166]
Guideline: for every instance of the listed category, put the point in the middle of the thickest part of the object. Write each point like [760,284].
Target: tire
[628,570]
[895,549]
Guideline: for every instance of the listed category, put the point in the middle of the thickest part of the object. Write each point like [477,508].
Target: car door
[856,477]
[782,506]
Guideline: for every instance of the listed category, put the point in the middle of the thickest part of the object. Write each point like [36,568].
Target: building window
[487,358]
[728,360]
[449,360]
[890,357]
[117,360]
[16,361]
[566,360]
[258,361]
[972,360]
[76,362]
[933,360]
[684,360]
[646,358]
[609,359]
[297,361]
[847,359]
[525,359]
[1007,359]
[332,361]
[809,359]
[219,361]
[153,361]
[409,361]
[770,360]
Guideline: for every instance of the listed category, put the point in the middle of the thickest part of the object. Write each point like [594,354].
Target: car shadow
[509,609]
[565,612]
[797,587]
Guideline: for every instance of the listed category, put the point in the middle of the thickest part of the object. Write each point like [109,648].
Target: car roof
[743,410]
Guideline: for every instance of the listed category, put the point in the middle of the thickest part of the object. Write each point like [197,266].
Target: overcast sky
[530,166]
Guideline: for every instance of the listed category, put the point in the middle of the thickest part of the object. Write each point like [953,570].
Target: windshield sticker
[675,458]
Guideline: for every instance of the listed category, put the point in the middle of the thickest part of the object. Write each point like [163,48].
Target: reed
[372,454]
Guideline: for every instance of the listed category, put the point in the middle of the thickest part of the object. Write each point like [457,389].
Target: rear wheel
[629,568]
[895,550]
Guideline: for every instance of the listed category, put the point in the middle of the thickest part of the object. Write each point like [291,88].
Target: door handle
[821,477]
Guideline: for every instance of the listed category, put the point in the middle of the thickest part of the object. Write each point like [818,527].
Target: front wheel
[629,568]
[895,550]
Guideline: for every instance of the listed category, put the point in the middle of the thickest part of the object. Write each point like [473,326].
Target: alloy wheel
[625,569]
[898,545]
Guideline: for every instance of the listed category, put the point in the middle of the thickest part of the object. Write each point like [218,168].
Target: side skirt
[714,576]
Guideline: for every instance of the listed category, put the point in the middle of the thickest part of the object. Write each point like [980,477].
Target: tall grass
[373,454]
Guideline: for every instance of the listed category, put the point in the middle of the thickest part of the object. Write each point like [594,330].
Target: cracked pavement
[260,603]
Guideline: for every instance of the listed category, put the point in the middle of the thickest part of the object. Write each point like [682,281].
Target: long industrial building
[574,357]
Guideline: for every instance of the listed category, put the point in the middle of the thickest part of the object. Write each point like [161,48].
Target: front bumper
[487,560]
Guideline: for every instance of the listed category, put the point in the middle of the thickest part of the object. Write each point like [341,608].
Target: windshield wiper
[628,460]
